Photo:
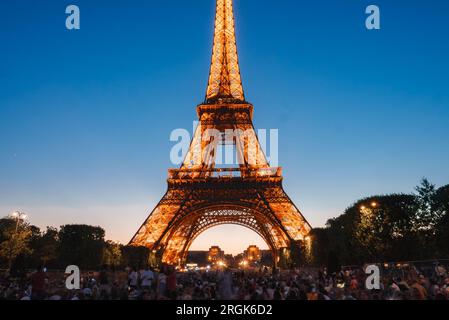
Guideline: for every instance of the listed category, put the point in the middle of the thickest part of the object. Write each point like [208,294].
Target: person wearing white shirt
[147,277]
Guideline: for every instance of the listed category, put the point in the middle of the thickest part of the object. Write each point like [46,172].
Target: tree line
[24,246]
[386,228]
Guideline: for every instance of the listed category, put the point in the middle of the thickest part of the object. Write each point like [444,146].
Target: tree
[135,256]
[427,215]
[112,254]
[15,240]
[385,227]
[81,245]
[441,201]
[342,243]
[45,246]
[319,246]
[373,229]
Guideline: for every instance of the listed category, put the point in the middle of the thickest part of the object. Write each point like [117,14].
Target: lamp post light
[373,205]
[18,216]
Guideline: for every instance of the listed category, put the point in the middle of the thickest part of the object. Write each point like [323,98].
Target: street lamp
[373,205]
[18,216]
[244,263]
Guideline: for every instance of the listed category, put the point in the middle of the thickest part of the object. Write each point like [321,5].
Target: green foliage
[135,256]
[322,252]
[112,254]
[6,225]
[45,247]
[387,228]
[442,227]
[427,215]
[15,238]
[81,245]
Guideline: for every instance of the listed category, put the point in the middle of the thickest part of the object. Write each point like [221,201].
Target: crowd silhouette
[411,283]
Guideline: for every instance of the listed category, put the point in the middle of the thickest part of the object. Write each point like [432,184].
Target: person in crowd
[161,286]
[38,284]
[104,282]
[147,278]
[225,285]
[172,286]
[133,279]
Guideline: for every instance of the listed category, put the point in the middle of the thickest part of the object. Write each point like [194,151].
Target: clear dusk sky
[85,116]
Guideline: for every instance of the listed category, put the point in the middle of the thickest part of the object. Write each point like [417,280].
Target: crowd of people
[226,284]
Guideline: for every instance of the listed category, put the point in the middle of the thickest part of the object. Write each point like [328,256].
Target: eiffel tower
[202,195]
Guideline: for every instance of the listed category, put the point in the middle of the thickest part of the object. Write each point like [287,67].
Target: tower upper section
[225,84]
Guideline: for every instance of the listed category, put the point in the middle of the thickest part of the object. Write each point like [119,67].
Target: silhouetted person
[38,284]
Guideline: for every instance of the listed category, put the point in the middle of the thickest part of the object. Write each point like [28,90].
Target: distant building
[252,254]
[215,255]
[254,257]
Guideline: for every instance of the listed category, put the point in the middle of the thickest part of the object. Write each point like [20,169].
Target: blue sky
[85,116]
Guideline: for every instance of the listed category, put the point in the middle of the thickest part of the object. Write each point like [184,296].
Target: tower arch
[180,235]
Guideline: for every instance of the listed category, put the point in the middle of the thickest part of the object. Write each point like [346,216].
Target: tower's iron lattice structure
[202,195]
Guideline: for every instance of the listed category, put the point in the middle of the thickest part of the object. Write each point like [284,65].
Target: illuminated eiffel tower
[200,195]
